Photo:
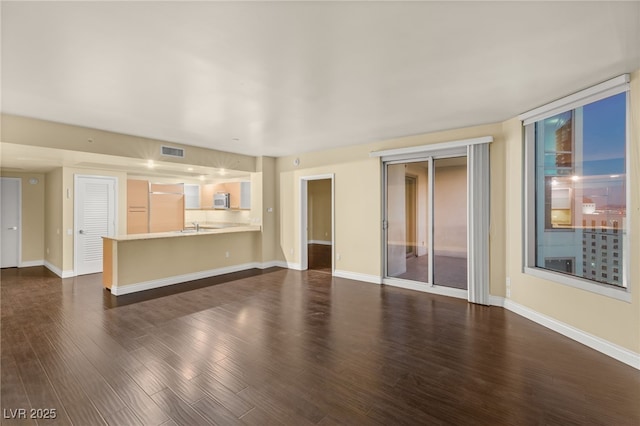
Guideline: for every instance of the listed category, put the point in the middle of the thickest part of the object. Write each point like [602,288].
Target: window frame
[593,94]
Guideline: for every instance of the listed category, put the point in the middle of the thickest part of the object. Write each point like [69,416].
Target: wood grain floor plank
[124,417]
[215,412]
[257,417]
[223,395]
[181,413]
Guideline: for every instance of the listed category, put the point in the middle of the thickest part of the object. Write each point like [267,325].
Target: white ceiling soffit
[278,78]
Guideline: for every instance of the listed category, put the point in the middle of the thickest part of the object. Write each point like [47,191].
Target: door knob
[81,231]
[12,228]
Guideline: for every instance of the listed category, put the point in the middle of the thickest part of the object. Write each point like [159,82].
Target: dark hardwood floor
[293,348]
[319,257]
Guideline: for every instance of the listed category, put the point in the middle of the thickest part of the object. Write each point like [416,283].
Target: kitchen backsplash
[226,216]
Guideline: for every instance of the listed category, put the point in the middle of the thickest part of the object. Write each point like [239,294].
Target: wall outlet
[291,251]
[226,254]
[338,256]
[508,285]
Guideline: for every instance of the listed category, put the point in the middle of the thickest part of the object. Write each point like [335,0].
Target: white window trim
[603,90]
[592,94]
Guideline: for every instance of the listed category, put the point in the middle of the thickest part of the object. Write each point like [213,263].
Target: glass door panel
[450,222]
[407,216]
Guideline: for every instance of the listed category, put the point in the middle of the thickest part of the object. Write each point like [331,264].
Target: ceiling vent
[169,151]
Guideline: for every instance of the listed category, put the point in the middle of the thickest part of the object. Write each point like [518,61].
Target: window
[576,180]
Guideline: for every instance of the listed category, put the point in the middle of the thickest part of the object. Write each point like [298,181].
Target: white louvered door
[95,208]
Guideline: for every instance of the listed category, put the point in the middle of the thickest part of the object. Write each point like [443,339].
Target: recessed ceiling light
[201,177]
[150,164]
[190,169]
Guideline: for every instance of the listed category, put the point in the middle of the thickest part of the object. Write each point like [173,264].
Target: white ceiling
[288,77]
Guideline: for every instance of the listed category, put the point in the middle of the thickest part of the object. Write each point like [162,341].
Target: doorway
[10,233]
[447,251]
[317,236]
[426,216]
[95,217]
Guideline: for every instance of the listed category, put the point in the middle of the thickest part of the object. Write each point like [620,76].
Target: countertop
[205,229]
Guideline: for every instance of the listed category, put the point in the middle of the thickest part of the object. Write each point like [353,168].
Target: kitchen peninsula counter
[138,262]
[205,229]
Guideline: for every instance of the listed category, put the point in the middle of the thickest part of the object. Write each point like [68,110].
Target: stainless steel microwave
[221,200]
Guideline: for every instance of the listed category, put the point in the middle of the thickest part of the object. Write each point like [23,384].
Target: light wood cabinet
[233,188]
[167,212]
[239,194]
[137,206]
[166,207]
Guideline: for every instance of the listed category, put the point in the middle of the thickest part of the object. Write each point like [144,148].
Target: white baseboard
[177,279]
[291,265]
[601,345]
[31,263]
[374,279]
[272,263]
[322,242]
[496,301]
[59,272]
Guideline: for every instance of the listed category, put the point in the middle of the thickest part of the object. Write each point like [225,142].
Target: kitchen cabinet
[239,194]
[166,206]
[206,195]
[137,206]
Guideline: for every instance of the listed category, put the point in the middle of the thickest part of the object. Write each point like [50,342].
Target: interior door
[95,208]
[10,222]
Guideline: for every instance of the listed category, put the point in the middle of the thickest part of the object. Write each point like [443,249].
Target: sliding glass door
[407,221]
[426,221]
[450,222]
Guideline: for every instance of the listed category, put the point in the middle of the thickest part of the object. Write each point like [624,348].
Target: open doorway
[319,238]
[317,223]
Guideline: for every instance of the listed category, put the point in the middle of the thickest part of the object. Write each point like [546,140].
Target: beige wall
[269,209]
[31,131]
[319,210]
[610,319]
[32,211]
[53,228]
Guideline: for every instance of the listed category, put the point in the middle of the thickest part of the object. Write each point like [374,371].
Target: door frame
[76,178]
[478,192]
[303,207]
[19,181]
